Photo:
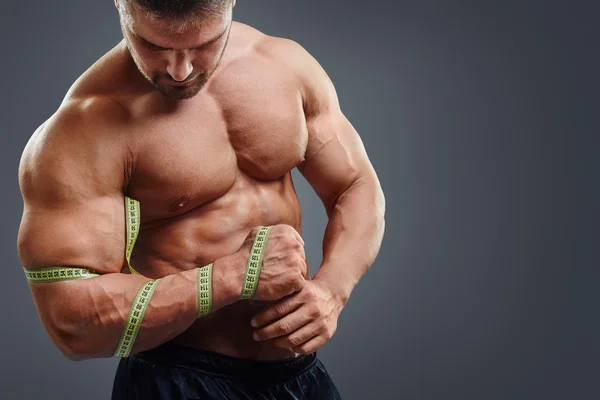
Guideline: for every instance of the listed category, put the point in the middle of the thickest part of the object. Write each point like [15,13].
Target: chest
[250,129]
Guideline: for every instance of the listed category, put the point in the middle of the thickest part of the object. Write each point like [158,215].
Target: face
[177,57]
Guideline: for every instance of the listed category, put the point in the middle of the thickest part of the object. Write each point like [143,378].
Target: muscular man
[201,120]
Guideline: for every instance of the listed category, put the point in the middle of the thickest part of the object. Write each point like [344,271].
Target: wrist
[227,281]
[339,293]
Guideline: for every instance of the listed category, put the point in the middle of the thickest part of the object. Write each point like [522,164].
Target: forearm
[352,238]
[86,318]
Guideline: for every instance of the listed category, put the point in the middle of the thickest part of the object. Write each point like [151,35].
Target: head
[176,44]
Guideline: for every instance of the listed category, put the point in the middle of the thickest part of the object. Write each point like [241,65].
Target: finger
[298,337]
[276,310]
[310,346]
[284,326]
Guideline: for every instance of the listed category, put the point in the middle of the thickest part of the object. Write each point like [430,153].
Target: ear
[117,4]
[232,5]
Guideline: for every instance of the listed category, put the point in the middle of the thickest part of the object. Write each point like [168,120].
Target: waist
[204,361]
[228,331]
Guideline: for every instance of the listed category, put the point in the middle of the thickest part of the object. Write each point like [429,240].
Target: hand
[302,322]
[284,269]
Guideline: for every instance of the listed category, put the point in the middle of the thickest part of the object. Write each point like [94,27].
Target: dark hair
[180,9]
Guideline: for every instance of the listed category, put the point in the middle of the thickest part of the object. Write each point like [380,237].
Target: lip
[179,83]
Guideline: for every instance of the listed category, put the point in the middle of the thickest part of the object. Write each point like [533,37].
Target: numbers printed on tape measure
[57,274]
[254,263]
[132,225]
[204,290]
[60,273]
[134,320]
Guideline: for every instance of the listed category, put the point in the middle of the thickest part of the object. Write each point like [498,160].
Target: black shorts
[174,372]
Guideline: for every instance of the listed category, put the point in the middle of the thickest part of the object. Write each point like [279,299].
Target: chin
[179,93]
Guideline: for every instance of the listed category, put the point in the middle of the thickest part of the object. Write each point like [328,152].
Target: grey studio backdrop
[480,118]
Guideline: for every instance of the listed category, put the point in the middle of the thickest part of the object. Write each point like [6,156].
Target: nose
[180,67]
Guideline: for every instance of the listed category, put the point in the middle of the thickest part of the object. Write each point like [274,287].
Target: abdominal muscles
[206,232]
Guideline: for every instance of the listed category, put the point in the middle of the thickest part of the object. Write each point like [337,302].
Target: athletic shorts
[175,372]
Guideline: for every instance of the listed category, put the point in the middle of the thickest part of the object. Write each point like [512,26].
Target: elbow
[73,356]
[66,315]
[70,346]
[75,350]
[68,338]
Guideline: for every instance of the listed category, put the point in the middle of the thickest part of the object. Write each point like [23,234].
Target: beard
[162,84]
[161,81]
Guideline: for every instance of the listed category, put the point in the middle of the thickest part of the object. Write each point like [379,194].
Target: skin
[209,162]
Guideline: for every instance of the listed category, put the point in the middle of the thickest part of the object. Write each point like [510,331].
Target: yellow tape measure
[132,226]
[204,290]
[57,274]
[142,299]
[134,320]
[255,262]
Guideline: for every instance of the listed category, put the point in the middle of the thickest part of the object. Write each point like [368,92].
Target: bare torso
[209,169]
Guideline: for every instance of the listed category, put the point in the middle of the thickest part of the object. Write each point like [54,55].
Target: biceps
[89,235]
[335,156]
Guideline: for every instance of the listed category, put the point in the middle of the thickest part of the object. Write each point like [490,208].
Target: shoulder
[284,52]
[294,59]
[316,88]
[80,138]
[287,53]
[78,120]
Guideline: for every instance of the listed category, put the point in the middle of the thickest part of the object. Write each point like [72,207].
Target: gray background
[480,118]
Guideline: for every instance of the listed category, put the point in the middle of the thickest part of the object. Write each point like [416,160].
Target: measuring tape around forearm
[204,290]
[255,262]
[138,308]
[135,317]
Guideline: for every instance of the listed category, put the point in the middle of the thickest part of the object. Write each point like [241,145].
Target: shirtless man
[201,120]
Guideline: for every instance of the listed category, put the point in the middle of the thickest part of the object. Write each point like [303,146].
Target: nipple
[180,203]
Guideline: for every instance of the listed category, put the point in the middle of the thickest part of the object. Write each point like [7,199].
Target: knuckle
[283,327]
[315,311]
[294,341]
[290,242]
[297,246]
[280,309]
[311,293]
[299,261]
[295,263]
[299,283]
[305,350]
